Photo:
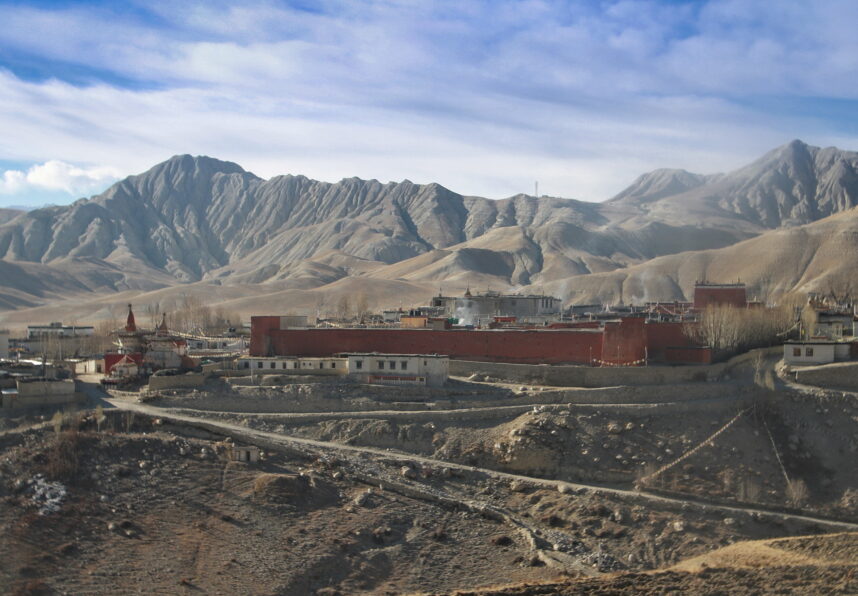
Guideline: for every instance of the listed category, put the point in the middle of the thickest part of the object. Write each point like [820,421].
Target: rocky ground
[482,489]
[805,565]
[787,450]
[151,511]
[139,504]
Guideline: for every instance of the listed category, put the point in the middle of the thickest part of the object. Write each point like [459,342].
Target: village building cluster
[410,347]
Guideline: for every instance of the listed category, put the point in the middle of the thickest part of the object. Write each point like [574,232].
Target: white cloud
[482,97]
[57,175]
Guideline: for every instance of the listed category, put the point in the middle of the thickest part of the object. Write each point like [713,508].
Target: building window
[295,364]
[333,365]
[392,365]
[796,351]
[808,351]
[425,363]
[321,365]
[273,365]
[359,364]
[259,365]
[381,365]
[246,364]
[403,364]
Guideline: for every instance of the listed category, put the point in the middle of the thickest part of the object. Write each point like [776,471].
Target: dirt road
[251,435]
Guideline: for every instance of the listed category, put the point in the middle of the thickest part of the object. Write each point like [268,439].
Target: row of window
[403,364]
[273,365]
[807,351]
[380,364]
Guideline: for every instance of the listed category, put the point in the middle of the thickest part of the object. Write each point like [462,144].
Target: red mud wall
[625,342]
[661,336]
[688,355]
[261,329]
[706,296]
[525,347]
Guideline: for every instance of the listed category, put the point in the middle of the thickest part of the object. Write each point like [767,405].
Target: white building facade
[816,351]
[430,370]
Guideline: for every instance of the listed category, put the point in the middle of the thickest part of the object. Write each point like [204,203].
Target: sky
[484,97]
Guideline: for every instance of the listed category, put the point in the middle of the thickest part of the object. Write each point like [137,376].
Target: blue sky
[482,96]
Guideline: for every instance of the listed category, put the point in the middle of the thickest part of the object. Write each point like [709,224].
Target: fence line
[694,450]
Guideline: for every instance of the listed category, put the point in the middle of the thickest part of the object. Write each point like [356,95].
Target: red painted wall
[626,341]
[706,296]
[526,347]
[261,329]
[688,355]
[661,336]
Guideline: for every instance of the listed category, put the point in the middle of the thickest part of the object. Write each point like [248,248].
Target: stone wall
[839,375]
[156,383]
[588,376]
[35,394]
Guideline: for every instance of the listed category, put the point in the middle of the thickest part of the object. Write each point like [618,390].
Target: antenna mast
[536,189]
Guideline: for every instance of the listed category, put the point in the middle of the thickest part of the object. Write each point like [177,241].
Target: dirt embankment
[764,456]
[140,505]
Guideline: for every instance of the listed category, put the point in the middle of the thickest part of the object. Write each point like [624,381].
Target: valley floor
[500,491]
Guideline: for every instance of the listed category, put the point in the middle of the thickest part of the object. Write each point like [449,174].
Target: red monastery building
[708,294]
[626,341]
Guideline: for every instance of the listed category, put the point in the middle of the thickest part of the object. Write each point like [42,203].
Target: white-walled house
[290,365]
[431,370]
[816,351]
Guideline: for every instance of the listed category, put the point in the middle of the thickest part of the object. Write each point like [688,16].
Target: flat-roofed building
[275,365]
[816,351]
[712,294]
[431,370]
[474,309]
[57,329]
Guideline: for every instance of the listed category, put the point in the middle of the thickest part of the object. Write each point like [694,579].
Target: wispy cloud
[482,96]
[57,176]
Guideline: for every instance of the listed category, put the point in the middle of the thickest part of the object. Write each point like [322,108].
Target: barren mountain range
[197,225]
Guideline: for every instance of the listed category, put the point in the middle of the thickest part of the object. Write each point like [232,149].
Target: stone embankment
[839,375]
[588,376]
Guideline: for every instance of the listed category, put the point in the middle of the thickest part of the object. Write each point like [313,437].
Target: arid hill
[196,225]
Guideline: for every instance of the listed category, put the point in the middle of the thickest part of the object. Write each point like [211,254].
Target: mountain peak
[201,163]
[660,183]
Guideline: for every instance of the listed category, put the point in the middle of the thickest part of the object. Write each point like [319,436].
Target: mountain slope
[200,220]
[813,257]
[790,185]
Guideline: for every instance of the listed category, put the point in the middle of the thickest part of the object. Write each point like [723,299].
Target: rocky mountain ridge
[198,220]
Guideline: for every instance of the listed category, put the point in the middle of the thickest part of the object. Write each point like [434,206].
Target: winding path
[254,436]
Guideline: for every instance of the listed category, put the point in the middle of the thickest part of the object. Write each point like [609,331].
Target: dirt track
[251,436]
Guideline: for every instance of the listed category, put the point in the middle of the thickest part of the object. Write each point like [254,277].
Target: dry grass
[63,457]
[796,492]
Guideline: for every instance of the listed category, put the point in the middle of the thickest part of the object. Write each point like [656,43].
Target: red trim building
[624,342]
[706,294]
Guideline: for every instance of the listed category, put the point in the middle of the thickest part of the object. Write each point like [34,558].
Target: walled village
[481,444]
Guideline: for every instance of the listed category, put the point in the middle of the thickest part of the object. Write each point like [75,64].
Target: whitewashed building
[816,351]
[59,330]
[430,370]
[264,365]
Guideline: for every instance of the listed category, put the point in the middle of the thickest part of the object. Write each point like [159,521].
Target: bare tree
[728,329]
[344,308]
[362,306]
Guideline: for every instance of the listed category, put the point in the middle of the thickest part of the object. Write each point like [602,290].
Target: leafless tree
[344,308]
[362,306]
[728,329]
